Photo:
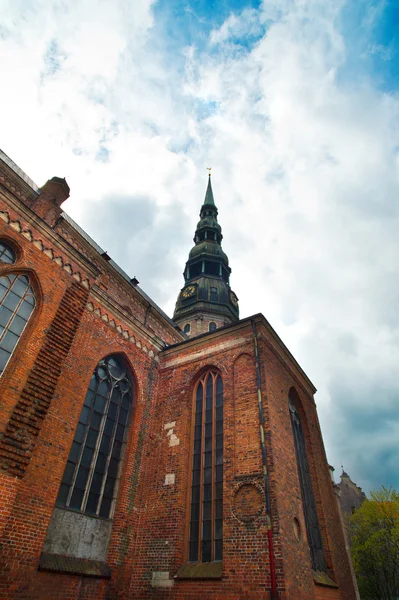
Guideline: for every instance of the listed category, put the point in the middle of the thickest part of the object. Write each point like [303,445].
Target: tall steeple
[206,301]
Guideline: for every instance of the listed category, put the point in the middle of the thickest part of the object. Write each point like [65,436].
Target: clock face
[233,299]
[188,291]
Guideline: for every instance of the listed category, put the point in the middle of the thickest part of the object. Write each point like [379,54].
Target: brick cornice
[197,347]
[47,232]
[116,311]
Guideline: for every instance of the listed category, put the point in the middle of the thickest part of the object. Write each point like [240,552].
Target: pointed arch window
[90,480]
[309,505]
[206,509]
[17,301]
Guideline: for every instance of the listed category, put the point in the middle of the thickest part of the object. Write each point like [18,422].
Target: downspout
[273,589]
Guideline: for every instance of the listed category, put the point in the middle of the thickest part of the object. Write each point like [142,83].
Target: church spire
[206,301]
[209,194]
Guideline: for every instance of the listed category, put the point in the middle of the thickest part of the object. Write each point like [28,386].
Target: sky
[295,106]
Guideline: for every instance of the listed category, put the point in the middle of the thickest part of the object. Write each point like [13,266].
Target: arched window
[187,328]
[7,254]
[309,506]
[212,326]
[206,513]
[17,302]
[89,484]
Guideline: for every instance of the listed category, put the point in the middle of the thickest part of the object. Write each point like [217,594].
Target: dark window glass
[15,310]
[212,268]
[91,505]
[309,506]
[63,493]
[212,326]
[76,499]
[75,452]
[187,328]
[195,269]
[87,457]
[68,474]
[94,459]
[206,511]
[105,509]
[213,295]
[7,254]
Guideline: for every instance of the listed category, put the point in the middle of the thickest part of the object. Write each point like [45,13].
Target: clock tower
[206,302]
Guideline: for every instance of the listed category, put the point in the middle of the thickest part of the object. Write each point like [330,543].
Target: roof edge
[258,318]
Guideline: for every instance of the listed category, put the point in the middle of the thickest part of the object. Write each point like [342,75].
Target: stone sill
[321,578]
[58,563]
[211,570]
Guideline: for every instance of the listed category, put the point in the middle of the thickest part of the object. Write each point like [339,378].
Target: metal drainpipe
[273,589]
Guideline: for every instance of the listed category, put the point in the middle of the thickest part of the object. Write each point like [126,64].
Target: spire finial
[209,169]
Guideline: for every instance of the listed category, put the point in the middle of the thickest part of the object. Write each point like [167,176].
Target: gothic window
[17,302]
[206,511]
[7,254]
[187,328]
[309,506]
[212,326]
[89,484]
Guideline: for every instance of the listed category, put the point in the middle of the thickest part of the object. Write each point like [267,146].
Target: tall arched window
[89,484]
[17,302]
[212,326]
[206,514]
[309,506]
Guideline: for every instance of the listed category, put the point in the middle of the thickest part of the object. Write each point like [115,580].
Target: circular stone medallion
[248,503]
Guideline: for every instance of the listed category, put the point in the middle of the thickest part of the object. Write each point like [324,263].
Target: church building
[144,457]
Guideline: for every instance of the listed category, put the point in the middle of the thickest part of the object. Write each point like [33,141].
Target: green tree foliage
[374,532]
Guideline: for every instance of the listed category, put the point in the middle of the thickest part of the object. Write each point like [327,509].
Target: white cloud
[305,170]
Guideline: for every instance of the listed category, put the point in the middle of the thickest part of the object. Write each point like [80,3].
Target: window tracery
[17,301]
[89,484]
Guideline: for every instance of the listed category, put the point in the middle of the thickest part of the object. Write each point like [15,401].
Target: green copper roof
[209,194]
[207,272]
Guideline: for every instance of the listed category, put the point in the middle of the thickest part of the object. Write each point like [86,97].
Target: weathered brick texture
[24,425]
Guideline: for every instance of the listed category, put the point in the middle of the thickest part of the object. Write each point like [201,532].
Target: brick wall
[86,312]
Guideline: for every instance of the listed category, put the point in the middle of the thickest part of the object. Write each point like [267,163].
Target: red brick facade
[86,309]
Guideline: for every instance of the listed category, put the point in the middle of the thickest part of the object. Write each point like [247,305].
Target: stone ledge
[74,566]
[321,578]
[211,570]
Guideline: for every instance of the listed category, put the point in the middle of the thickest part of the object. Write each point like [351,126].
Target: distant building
[143,457]
[351,495]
